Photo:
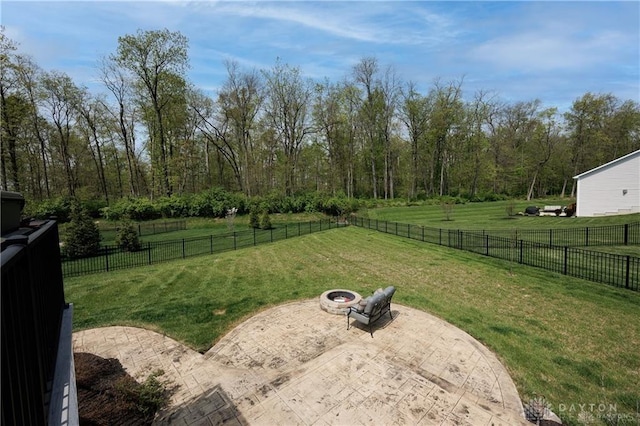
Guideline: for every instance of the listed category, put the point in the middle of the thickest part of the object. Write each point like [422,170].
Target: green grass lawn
[570,340]
[200,226]
[490,215]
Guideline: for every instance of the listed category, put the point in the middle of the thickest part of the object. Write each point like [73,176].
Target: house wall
[602,192]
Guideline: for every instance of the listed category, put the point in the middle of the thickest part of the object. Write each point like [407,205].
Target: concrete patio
[298,365]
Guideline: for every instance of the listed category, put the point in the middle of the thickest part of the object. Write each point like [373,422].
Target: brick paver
[296,364]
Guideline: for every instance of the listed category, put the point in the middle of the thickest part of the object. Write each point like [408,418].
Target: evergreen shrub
[127,237]
[265,220]
[82,235]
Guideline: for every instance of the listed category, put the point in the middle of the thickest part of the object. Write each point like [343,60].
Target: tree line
[152,133]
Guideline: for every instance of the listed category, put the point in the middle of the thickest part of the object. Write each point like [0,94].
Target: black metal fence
[32,308]
[609,235]
[558,255]
[148,228]
[111,257]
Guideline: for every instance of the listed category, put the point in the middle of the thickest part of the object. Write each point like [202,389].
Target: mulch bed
[103,397]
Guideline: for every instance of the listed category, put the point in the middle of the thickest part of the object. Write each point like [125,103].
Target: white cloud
[543,51]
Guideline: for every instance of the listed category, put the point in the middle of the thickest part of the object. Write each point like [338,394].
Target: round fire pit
[338,301]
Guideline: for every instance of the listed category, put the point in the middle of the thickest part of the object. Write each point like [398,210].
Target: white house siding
[613,188]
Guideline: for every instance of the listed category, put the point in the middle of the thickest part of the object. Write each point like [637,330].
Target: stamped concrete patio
[298,365]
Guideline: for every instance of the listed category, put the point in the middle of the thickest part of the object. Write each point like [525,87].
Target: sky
[516,50]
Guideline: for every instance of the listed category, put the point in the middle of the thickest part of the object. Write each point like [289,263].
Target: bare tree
[287,101]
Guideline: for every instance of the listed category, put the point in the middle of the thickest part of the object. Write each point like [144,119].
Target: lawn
[570,340]
[490,216]
[200,226]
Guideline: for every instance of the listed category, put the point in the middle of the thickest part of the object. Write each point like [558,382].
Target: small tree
[83,235]
[127,237]
[254,219]
[447,207]
[265,220]
[231,217]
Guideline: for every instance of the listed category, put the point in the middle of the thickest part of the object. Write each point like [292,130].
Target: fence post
[149,251]
[106,257]
[271,233]
[486,244]
[396,228]
[298,229]
[550,237]
[234,240]
[139,230]
[520,259]
[211,243]
[586,236]
[422,227]
[566,250]
[183,255]
[286,231]
[626,275]
[440,237]
[254,236]
[626,241]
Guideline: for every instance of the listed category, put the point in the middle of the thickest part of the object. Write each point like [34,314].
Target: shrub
[83,235]
[127,237]
[265,220]
[133,208]
[59,207]
[339,206]
[94,206]
[254,219]
[148,397]
[174,206]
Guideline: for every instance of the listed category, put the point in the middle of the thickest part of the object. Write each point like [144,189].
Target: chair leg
[347,321]
[371,330]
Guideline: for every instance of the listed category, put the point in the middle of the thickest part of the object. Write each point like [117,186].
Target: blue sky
[552,51]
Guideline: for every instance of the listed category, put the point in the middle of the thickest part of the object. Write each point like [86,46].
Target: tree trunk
[533,182]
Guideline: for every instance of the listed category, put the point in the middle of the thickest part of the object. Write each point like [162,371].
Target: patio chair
[375,307]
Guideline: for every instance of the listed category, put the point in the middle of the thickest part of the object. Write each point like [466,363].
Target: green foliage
[265,220]
[339,206]
[132,208]
[147,397]
[212,203]
[127,237]
[254,219]
[174,206]
[59,207]
[94,207]
[82,236]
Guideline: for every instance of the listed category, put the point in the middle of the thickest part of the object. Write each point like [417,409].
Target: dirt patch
[107,394]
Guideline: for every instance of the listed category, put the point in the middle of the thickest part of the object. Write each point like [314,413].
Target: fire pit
[338,301]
